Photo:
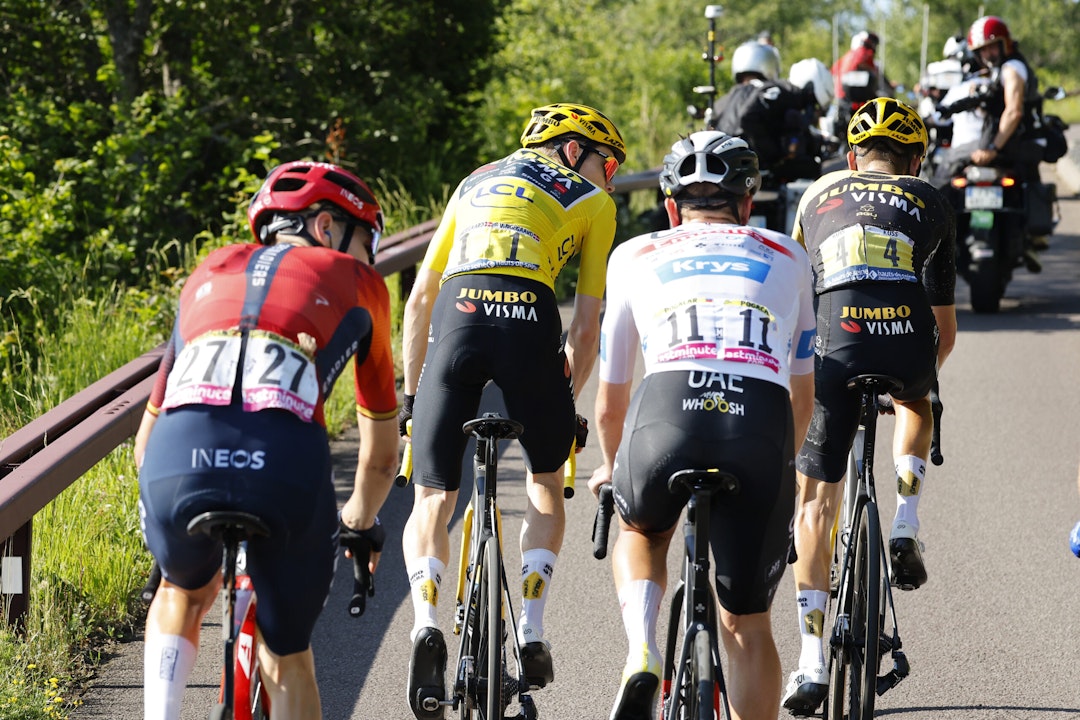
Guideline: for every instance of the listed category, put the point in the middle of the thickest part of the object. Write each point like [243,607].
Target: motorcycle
[997,215]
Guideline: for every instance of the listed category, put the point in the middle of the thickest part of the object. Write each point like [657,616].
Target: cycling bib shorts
[269,463]
[506,330]
[682,420]
[880,328]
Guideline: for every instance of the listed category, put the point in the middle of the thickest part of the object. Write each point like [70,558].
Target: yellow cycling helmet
[887,118]
[551,121]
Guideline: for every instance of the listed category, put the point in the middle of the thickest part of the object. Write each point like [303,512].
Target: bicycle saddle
[704,480]
[878,384]
[216,524]
[493,426]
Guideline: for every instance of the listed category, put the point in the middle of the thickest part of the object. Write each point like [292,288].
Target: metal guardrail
[40,460]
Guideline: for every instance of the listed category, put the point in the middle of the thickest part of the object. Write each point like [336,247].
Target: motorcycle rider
[1013,105]
[772,115]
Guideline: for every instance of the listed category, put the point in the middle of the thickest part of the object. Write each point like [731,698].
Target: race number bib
[720,329]
[864,252]
[276,374]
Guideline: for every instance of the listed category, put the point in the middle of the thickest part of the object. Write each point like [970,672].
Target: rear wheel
[702,699]
[987,287]
[493,704]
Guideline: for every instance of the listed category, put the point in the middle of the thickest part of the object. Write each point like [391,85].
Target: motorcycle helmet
[295,186]
[552,121]
[756,58]
[888,118]
[710,156]
[955,47]
[865,39]
[987,30]
[812,70]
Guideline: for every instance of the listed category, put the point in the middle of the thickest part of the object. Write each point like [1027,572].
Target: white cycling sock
[537,567]
[640,603]
[811,604]
[167,664]
[910,473]
[425,579]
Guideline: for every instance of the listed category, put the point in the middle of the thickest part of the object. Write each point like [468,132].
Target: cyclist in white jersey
[723,314]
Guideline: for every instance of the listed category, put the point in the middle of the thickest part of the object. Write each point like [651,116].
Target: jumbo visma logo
[714,265]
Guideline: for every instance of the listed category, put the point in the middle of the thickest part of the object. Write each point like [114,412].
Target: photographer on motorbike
[773,116]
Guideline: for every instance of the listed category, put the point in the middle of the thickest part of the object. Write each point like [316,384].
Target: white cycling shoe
[806,689]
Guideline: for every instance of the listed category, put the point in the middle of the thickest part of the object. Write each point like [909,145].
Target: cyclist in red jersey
[235,422]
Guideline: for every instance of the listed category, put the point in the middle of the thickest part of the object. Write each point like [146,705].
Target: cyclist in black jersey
[482,309]
[882,244]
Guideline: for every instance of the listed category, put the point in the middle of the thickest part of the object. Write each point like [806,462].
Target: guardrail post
[15,576]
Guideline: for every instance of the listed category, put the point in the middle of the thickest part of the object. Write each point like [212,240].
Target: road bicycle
[250,700]
[860,587]
[483,597]
[692,686]
[242,695]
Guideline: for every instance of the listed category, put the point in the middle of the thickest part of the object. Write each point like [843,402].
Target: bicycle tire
[853,666]
[493,702]
[474,638]
[702,700]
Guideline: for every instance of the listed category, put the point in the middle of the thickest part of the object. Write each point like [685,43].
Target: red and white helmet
[989,29]
[296,186]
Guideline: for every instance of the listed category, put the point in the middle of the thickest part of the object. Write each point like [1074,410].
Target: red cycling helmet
[989,29]
[296,186]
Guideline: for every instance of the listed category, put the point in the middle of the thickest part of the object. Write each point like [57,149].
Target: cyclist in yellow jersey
[483,309]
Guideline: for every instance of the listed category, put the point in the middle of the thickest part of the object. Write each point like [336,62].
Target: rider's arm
[415,323]
[612,403]
[1013,86]
[802,405]
[376,467]
[946,322]
[583,339]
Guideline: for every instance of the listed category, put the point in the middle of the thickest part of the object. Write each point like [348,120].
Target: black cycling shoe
[905,558]
[536,663]
[427,668]
[636,698]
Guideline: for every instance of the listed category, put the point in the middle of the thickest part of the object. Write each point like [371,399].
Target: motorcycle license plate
[981,197]
[982,219]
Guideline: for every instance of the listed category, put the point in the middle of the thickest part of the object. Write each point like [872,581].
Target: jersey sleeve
[802,356]
[618,334]
[438,252]
[376,395]
[172,348]
[594,252]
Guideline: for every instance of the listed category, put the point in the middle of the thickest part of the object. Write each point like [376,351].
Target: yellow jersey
[525,216]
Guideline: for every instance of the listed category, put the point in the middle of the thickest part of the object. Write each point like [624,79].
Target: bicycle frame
[861,551]
[694,599]
[250,701]
[483,597]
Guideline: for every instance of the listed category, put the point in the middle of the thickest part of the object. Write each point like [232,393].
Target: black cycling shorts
[268,463]
[696,420]
[882,328]
[500,329]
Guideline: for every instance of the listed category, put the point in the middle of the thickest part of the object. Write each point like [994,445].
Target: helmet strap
[582,156]
[290,225]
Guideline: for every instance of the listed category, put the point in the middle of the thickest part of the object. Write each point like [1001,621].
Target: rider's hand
[581,431]
[1074,540]
[601,476]
[359,542]
[405,414]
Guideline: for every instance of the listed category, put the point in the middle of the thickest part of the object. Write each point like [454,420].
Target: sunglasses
[611,165]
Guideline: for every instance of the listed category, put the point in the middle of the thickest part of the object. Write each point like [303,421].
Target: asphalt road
[993,635]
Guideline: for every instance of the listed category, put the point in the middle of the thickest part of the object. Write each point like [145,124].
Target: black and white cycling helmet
[757,58]
[713,157]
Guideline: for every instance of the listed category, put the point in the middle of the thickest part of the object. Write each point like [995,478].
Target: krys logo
[714,265]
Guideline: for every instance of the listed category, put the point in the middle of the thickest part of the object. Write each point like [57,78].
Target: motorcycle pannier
[1039,199]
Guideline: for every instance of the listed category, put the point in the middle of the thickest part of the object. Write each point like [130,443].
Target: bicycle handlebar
[605,508]
[570,472]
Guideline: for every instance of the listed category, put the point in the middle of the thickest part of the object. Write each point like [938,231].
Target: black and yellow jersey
[862,227]
[525,216]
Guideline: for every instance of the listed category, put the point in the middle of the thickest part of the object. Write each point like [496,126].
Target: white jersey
[710,297]
[967,125]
